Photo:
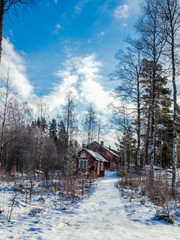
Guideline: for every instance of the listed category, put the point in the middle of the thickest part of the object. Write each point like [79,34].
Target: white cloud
[80,5]
[121,11]
[55,1]
[58,26]
[102,33]
[14,64]
[82,76]
[94,93]
[134,7]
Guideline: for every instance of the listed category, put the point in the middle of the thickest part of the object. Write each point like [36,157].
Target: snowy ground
[102,215]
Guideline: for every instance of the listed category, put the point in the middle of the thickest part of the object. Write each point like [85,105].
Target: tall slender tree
[6,95]
[90,123]
[129,71]
[70,116]
[170,10]
[153,40]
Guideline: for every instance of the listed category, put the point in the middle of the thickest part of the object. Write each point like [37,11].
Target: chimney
[102,143]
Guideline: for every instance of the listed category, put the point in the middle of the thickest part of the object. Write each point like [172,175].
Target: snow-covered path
[102,216]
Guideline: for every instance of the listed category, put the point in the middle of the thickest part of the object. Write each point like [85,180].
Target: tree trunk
[174,116]
[138,123]
[147,139]
[1,25]
[153,121]
[4,122]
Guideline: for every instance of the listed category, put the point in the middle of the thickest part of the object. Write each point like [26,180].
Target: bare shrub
[35,211]
[12,206]
[158,190]
[69,187]
[131,180]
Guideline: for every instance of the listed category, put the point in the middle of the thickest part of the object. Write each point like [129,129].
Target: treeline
[31,141]
[28,143]
[146,113]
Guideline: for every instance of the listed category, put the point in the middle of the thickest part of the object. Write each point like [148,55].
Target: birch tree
[70,117]
[153,40]
[129,71]
[170,10]
[42,110]
[6,98]
[90,123]
[123,125]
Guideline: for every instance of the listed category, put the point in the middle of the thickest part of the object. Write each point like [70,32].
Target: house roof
[106,148]
[109,150]
[96,155]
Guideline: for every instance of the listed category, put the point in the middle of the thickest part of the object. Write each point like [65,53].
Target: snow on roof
[96,155]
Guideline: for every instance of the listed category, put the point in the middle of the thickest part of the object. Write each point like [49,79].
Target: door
[98,168]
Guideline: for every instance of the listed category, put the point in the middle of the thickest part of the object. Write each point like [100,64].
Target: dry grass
[157,189]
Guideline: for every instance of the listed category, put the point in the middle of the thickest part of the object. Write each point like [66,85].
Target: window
[102,166]
[83,163]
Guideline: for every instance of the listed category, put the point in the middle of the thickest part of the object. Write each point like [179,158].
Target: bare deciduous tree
[129,71]
[69,116]
[90,123]
[6,97]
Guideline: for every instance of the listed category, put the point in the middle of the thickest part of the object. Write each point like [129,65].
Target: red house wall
[92,164]
[112,160]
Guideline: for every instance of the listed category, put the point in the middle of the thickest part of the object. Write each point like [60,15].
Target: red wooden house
[107,153]
[89,161]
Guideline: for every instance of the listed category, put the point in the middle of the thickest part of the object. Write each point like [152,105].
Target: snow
[96,155]
[102,215]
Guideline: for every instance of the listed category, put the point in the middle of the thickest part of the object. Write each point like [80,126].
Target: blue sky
[68,44]
[57,30]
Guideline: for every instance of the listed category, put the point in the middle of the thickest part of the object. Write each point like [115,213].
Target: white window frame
[102,166]
[83,163]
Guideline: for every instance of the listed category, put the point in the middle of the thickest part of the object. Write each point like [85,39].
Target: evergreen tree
[153,41]
[53,130]
[163,114]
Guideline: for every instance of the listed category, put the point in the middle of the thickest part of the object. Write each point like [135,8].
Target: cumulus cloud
[13,64]
[121,11]
[82,76]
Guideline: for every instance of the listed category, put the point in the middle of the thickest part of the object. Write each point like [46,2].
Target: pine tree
[163,114]
[53,130]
